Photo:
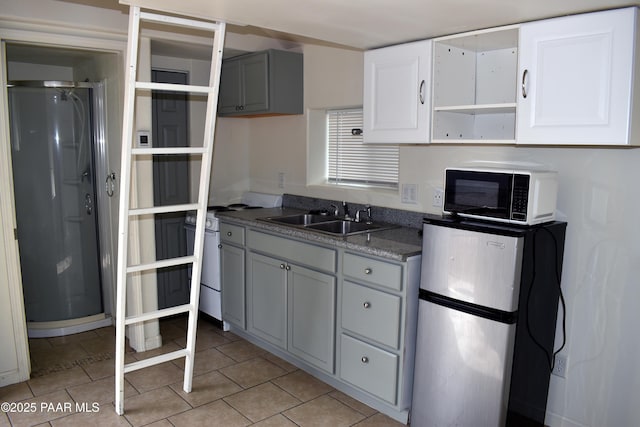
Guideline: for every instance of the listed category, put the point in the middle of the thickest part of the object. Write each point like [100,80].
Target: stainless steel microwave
[524,197]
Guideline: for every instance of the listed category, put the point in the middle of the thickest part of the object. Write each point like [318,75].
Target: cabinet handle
[288,267]
[282,266]
[229,233]
[421,90]
[220,246]
[524,81]
[367,304]
[368,270]
[365,359]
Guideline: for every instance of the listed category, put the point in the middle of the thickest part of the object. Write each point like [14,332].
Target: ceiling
[365,24]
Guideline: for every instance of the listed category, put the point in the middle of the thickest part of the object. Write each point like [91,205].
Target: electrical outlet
[560,366]
[438,196]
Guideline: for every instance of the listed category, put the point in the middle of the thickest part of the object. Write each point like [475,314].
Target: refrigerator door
[470,266]
[463,366]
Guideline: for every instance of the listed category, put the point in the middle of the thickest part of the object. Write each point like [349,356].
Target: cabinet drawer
[369,368]
[232,233]
[373,271]
[293,250]
[373,314]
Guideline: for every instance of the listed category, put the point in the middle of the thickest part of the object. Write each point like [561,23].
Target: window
[350,161]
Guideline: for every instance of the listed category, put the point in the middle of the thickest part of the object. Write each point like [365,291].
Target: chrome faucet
[345,208]
[367,210]
[335,210]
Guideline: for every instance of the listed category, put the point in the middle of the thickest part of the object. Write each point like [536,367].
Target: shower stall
[54,127]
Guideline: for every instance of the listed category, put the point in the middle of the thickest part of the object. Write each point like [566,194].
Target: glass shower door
[54,183]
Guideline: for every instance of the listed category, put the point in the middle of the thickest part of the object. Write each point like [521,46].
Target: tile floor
[235,384]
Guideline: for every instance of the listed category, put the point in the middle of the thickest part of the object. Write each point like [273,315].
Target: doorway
[170,186]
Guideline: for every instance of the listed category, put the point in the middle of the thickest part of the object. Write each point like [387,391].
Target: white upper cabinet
[397,99]
[474,86]
[576,80]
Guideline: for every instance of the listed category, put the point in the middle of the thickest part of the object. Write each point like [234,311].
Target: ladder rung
[157,314]
[163,209]
[169,150]
[181,22]
[161,264]
[173,87]
[151,361]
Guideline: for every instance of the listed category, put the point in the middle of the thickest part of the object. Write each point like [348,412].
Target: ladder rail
[125,190]
[205,172]
[127,213]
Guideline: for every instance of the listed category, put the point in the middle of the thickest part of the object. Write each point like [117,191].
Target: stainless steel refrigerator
[486,325]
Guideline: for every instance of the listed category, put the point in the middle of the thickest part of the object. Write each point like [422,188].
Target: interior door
[170,186]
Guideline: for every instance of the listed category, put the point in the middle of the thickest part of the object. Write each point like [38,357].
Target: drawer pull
[220,246]
[282,266]
[368,270]
[367,304]
[365,359]
[229,233]
[288,267]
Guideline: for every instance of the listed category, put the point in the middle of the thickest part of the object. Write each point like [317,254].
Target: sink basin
[346,227]
[301,219]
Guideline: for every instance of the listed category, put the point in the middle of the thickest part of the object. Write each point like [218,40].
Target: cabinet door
[397,93]
[312,298]
[230,97]
[232,284]
[254,71]
[576,73]
[267,298]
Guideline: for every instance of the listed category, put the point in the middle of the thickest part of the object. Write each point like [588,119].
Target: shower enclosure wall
[53,130]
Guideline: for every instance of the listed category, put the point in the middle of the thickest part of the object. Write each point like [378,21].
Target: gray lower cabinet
[232,273]
[348,318]
[312,301]
[267,298]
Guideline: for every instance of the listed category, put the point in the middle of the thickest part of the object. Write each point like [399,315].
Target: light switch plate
[409,193]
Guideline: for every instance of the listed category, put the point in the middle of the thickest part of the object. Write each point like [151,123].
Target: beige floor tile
[302,385]
[161,423]
[207,388]
[107,331]
[72,339]
[45,408]
[204,340]
[102,369]
[170,332]
[167,347]
[253,372]
[364,409]
[101,392]
[379,420]
[104,344]
[105,417]
[215,414]
[275,421]
[15,392]
[155,376]
[153,406]
[241,350]
[262,401]
[62,356]
[36,344]
[280,362]
[324,411]
[58,380]
[207,361]
[4,421]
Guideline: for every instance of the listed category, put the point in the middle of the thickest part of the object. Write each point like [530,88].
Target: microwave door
[478,193]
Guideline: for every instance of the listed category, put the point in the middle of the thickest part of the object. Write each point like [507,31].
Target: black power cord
[551,357]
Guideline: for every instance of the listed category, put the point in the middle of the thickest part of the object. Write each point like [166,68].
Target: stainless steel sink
[327,224]
[343,227]
[301,219]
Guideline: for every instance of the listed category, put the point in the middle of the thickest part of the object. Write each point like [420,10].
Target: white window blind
[350,161]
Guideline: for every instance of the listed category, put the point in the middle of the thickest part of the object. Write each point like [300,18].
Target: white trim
[8,241]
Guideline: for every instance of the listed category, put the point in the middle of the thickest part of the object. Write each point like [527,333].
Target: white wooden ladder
[127,213]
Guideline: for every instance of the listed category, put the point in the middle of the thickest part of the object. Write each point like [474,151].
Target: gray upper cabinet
[262,83]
